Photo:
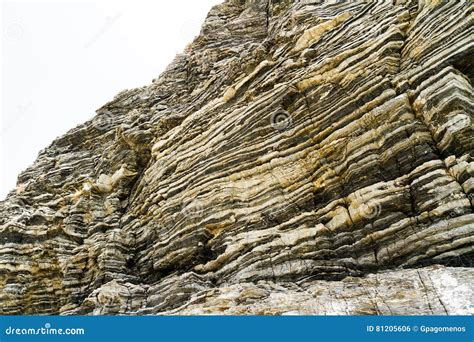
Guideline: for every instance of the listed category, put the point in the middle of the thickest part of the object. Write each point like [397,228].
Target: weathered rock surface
[299,158]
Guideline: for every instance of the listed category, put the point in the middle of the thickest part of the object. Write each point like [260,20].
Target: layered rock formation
[300,157]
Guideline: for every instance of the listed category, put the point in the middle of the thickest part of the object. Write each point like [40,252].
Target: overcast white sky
[63,60]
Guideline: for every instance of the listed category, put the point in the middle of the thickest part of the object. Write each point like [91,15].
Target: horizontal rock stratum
[300,157]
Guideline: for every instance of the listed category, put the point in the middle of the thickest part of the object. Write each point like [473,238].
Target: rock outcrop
[300,157]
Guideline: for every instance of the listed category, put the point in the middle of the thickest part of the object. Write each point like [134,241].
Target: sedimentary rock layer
[301,157]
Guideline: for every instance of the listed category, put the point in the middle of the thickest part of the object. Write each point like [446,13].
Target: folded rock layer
[300,157]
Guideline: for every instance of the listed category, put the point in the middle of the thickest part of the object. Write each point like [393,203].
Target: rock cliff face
[300,157]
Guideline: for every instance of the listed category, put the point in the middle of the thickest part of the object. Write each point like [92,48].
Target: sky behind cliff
[63,60]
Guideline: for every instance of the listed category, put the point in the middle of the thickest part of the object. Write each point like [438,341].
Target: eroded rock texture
[300,157]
